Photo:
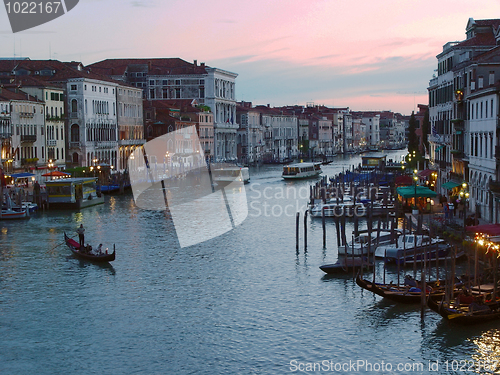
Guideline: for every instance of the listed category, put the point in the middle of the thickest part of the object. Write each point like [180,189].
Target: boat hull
[465,317]
[74,247]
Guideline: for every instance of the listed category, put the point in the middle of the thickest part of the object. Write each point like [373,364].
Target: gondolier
[81,236]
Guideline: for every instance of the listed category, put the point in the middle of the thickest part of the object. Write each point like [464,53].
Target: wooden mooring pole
[297,232]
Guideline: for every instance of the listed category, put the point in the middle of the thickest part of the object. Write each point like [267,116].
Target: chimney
[202,65]
[195,63]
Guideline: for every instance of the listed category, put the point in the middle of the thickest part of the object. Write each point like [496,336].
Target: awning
[425,173]
[21,175]
[415,191]
[450,185]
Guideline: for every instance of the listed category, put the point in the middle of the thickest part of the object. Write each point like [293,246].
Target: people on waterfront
[81,236]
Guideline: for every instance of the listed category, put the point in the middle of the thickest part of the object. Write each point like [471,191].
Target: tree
[412,135]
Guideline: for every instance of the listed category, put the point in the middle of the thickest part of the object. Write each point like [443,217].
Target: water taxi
[301,170]
[78,192]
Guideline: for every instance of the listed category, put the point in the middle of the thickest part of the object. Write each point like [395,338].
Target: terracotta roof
[61,71]
[12,94]
[155,66]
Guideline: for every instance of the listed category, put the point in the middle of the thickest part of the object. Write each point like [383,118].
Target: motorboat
[301,171]
[408,245]
[360,245]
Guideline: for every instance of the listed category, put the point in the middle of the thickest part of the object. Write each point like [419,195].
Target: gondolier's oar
[60,244]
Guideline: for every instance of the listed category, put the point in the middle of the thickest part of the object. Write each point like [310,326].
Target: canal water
[241,303]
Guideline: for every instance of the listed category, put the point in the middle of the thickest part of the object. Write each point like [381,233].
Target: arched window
[74,105]
[75,158]
[75,133]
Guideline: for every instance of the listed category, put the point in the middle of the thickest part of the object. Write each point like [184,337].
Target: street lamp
[415,178]
[464,197]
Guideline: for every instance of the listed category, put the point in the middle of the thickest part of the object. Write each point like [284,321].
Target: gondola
[345,265]
[75,249]
[403,294]
[465,313]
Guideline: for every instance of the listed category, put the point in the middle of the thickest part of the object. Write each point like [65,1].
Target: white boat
[30,206]
[301,170]
[230,173]
[359,246]
[406,245]
[9,213]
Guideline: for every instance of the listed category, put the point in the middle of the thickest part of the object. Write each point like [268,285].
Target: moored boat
[301,170]
[89,254]
[344,265]
[465,311]
[11,214]
[407,245]
[407,293]
[359,246]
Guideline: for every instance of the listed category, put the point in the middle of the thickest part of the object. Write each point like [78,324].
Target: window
[151,82]
[73,87]
[491,79]
[74,106]
[151,93]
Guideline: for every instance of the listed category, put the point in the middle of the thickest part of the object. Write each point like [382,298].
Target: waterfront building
[325,139]
[167,116]
[174,78]
[130,123]
[250,134]
[448,102]
[280,128]
[27,139]
[91,116]
[54,100]
[5,134]
[391,130]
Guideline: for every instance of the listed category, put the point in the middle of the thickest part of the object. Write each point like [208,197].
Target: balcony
[495,187]
[28,138]
[5,135]
[26,114]
[73,115]
[51,143]
[74,144]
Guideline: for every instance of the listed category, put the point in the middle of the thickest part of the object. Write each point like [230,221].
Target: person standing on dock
[81,236]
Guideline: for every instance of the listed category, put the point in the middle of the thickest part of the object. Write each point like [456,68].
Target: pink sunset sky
[366,55]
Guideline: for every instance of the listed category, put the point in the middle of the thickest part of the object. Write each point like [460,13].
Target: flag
[439,148]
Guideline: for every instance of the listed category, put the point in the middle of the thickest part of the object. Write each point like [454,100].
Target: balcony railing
[51,143]
[74,144]
[457,154]
[28,138]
